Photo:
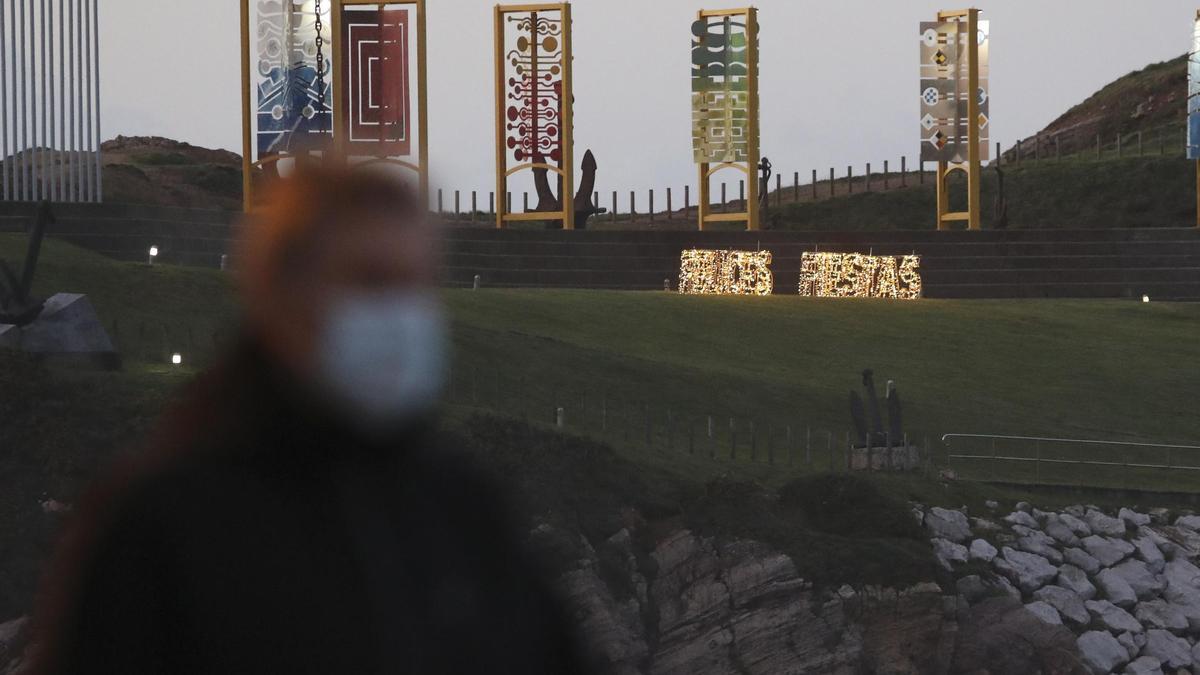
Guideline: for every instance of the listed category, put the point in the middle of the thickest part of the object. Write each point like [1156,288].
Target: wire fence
[672,204]
[659,426]
[1086,463]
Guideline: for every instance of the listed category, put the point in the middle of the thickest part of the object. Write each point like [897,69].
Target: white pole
[3,104]
[98,193]
[24,108]
[79,119]
[87,99]
[41,184]
[51,183]
[72,184]
[62,104]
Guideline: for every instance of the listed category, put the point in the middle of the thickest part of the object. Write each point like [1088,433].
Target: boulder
[1190,522]
[992,504]
[982,551]
[1039,543]
[1139,577]
[1112,617]
[1116,589]
[1130,643]
[949,553]
[68,332]
[1076,580]
[1069,605]
[1183,590]
[1081,559]
[1171,650]
[1022,531]
[1059,531]
[985,526]
[1160,516]
[948,524]
[1106,550]
[1028,571]
[1101,651]
[1161,615]
[1145,665]
[1044,612]
[1105,525]
[1148,552]
[1133,518]
[1078,527]
[1022,518]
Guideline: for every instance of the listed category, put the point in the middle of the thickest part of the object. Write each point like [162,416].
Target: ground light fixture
[1145,298]
[177,359]
[152,254]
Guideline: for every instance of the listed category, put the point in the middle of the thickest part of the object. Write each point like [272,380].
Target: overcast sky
[838,84]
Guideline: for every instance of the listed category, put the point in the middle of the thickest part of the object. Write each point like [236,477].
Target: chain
[320,28]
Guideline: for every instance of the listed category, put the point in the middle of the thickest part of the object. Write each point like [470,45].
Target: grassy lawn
[643,372]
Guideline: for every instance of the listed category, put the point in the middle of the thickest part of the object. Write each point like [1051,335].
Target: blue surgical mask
[382,357]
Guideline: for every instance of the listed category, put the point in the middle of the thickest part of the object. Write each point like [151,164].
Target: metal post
[849,180]
[491,203]
[632,206]
[669,206]
[614,209]
[904,169]
[650,207]
[4,150]
[885,174]
[23,69]
[457,209]
[474,205]
[814,184]
[42,156]
[742,191]
[724,201]
[868,177]
[778,189]
[832,183]
[687,201]
[89,168]
[525,197]
[796,187]
[440,209]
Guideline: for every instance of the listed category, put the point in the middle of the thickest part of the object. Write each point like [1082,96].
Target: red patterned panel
[376,95]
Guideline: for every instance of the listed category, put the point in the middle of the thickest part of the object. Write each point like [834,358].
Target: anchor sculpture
[584,208]
[17,306]
[62,329]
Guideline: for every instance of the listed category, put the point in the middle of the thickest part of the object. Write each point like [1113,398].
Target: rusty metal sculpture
[17,306]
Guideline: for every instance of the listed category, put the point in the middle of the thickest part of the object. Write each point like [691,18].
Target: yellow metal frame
[972,167]
[339,112]
[567,172]
[752,215]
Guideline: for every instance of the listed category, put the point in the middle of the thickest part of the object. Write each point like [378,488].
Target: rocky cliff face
[699,605]
[1079,591]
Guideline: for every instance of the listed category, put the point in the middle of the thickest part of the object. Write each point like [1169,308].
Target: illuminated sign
[726,273]
[854,275]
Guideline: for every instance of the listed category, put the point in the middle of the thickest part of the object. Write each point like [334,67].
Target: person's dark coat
[264,537]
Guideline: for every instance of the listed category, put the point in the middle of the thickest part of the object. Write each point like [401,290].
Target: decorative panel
[534,85]
[720,90]
[944,91]
[1193,107]
[294,88]
[376,45]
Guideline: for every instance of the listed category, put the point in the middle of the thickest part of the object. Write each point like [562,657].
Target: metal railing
[1070,461]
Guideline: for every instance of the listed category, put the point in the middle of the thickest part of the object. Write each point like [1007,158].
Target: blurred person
[297,513]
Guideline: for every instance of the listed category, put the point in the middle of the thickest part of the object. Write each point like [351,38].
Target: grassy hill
[614,360]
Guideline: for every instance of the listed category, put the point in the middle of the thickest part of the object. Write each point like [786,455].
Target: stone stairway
[1162,263]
